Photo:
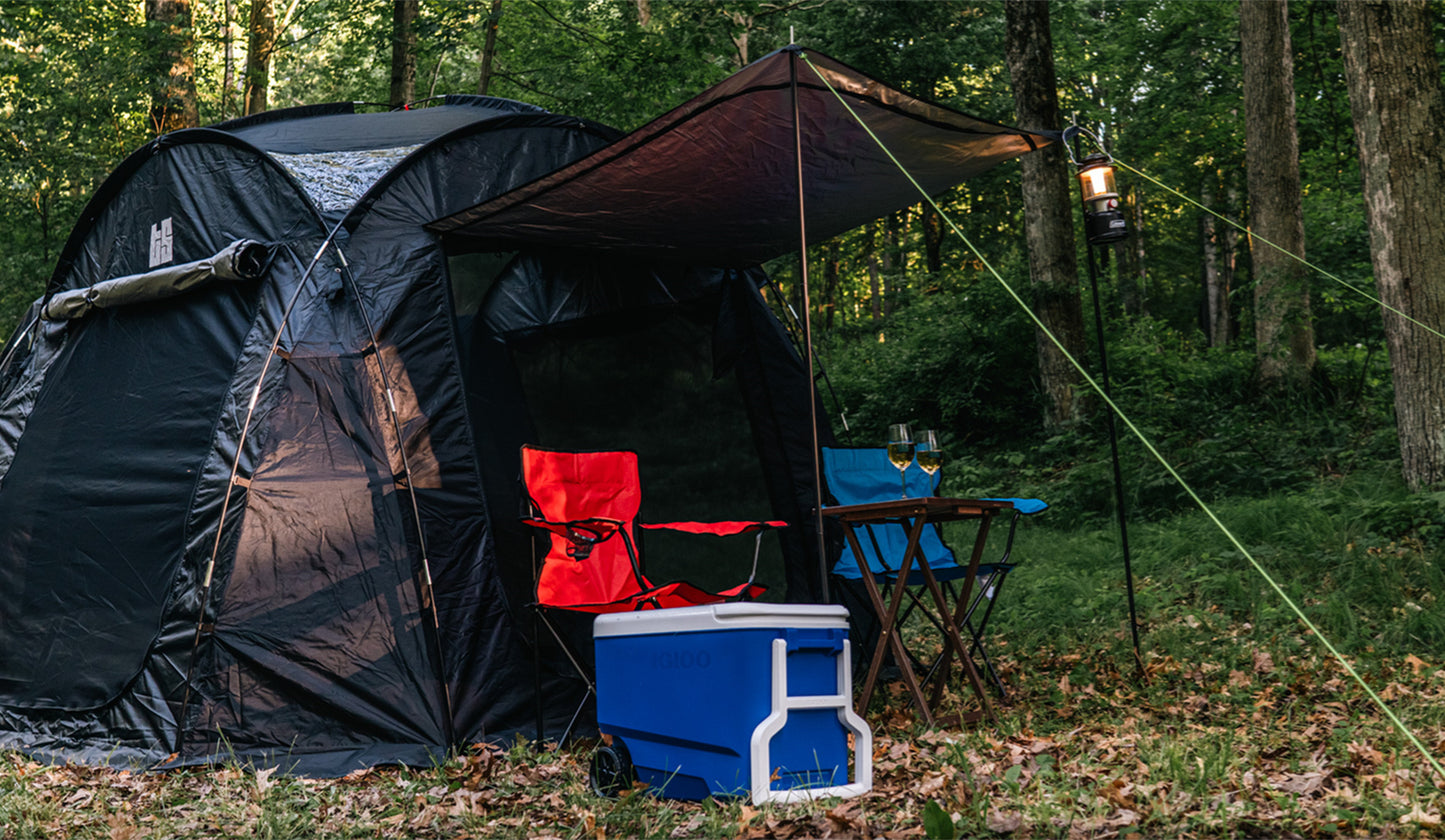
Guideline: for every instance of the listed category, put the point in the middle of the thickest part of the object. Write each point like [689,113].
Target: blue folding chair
[862,475]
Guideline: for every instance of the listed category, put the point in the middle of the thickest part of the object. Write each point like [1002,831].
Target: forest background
[911,325]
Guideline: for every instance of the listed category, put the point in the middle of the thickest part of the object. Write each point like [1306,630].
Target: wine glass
[900,452]
[930,454]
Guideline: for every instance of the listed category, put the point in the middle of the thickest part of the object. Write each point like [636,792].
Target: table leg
[888,637]
[955,641]
[876,601]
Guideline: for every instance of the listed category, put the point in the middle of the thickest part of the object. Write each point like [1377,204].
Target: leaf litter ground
[1240,736]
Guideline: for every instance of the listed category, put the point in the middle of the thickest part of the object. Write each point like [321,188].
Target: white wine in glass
[930,454]
[900,452]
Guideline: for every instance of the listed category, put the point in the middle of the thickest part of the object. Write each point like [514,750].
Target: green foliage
[937,824]
[1203,411]
[70,108]
[953,362]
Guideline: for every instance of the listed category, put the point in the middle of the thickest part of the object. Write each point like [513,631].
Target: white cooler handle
[773,724]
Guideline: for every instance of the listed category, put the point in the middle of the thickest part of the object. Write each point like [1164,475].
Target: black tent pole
[1114,452]
[808,335]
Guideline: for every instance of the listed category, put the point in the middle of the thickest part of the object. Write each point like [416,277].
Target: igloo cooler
[744,699]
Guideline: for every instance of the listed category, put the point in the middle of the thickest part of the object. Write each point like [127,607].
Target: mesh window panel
[595,387]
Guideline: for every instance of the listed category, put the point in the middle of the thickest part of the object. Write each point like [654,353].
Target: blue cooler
[733,699]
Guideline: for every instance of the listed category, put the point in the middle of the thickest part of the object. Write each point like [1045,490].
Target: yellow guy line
[1349,669]
[1283,250]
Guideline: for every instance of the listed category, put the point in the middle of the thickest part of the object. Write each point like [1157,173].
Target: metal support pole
[1114,453]
[808,339]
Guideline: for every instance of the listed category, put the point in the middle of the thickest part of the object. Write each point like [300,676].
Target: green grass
[1240,725]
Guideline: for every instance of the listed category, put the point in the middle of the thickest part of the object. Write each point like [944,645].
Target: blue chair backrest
[856,476]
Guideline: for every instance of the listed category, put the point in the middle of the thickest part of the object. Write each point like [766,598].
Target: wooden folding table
[914,515]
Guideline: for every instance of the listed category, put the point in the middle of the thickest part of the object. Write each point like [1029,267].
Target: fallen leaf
[119,827]
[1420,817]
[930,784]
[1120,793]
[1300,783]
[1121,818]
[745,817]
[1263,662]
[1004,822]
[1362,754]
[263,780]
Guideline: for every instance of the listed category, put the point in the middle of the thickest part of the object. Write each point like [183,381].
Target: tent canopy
[715,180]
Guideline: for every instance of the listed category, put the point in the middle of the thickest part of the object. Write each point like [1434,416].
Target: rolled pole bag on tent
[241,260]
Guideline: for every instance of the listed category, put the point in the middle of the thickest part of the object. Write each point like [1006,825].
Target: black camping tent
[258,442]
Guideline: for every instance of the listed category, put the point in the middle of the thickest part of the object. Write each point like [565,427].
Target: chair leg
[978,647]
[582,671]
[541,737]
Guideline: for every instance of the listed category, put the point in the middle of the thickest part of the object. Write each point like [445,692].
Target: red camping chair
[588,503]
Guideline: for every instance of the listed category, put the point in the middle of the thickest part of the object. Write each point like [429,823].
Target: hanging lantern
[1103,220]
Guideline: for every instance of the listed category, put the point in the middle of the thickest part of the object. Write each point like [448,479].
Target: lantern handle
[1075,130]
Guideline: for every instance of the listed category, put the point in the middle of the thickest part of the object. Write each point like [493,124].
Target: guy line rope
[1148,445]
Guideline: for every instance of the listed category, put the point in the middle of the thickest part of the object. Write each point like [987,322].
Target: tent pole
[1114,450]
[235,480]
[808,335]
[427,593]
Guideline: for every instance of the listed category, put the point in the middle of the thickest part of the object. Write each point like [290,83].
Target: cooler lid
[736,616]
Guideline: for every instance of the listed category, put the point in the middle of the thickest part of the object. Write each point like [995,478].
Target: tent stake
[808,336]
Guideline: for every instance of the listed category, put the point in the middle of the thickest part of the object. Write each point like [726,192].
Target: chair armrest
[1024,506]
[581,533]
[719,529]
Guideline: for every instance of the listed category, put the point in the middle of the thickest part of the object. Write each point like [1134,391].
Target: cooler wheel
[611,771]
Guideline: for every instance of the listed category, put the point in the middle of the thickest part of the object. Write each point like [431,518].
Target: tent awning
[715,180]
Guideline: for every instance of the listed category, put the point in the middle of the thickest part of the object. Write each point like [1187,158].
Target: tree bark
[1048,211]
[1283,332]
[892,260]
[1131,258]
[173,83]
[1215,322]
[228,72]
[403,52]
[1230,267]
[744,24]
[260,44]
[489,47]
[1393,73]
[831,276]
[932,239]
[875,285]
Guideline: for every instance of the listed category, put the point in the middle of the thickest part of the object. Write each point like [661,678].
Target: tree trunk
[831,274]
[228,72]
[875,285]
[403,52]
[1048,211]
[1215,321]
[1229,269]
[260,44]
[744,24]
[932,239]
[489,47]
[1283,332]
[173,83]
[1129,258]
[1393,74]
[644,13]
[892,260]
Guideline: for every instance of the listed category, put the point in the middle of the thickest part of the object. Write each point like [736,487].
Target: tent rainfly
[259,441]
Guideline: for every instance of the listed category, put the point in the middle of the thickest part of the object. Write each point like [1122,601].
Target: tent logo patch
[161,251]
